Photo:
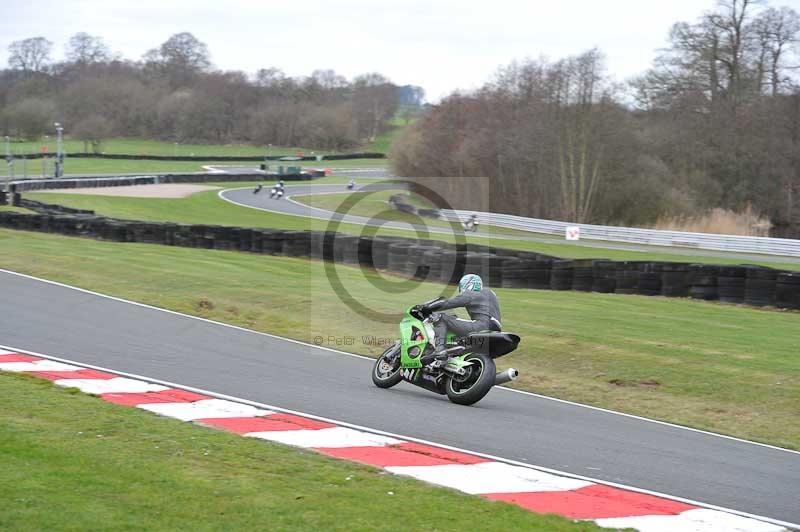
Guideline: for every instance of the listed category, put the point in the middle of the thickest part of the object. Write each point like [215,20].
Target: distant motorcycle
[258,189]
[471,225]
[351,185]
[276,192]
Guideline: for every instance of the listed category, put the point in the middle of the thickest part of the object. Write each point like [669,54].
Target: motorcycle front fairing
[414,339]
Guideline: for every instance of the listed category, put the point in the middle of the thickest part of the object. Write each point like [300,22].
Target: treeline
[173,93]
[714,123]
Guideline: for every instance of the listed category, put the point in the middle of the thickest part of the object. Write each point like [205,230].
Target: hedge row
[144,157]
[22,186]
[436,261]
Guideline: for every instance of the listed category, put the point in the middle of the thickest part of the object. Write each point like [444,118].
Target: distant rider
[351,185]
[277,190]
[482,307]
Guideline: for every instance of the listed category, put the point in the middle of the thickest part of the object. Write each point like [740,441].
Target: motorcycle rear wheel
[386,371]
[470,388]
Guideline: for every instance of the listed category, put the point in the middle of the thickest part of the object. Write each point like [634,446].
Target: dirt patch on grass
[647,383]
[167,190]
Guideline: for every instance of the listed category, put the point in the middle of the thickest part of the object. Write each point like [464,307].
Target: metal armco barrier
[650,237]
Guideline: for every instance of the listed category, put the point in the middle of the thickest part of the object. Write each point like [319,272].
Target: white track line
[407,438]
[355,355]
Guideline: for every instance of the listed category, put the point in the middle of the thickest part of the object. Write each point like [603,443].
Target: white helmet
[470,282]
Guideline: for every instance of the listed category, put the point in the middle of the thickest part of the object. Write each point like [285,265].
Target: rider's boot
[440,356]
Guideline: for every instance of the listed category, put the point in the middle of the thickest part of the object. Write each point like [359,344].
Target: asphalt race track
[91,329]
[246,198]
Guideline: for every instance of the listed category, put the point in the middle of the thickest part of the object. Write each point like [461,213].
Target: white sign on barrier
[573,233]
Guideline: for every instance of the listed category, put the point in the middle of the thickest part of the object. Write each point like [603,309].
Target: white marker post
[573,232]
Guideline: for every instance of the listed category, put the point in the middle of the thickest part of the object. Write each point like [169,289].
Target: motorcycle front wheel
[473,386]
[386,371]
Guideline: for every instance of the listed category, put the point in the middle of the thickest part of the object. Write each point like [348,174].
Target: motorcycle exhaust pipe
[506,376]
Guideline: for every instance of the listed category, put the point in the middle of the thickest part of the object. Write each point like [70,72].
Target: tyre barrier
[439,262]
[583,275]
[516,272]
[731,284]
[430,213]
[96,182]
[649,281]
[424,262]
[787,290]
[398,256]
[561,275]
[627,277]
[704,281]
[454,266]
[760,286]
[675,279]
[604,276]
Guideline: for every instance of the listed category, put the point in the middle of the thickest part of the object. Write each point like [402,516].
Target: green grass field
[724,368]
[111,166]
[74,462]
[383,143]
[134,146]
[207,207]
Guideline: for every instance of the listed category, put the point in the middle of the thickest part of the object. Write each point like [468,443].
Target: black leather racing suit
[482,307]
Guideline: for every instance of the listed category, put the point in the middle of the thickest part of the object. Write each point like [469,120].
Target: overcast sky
[440,45]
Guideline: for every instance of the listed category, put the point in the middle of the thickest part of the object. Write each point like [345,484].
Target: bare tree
[581,139]
[375,100]
[30,55]
[730,21]
[775,32]
[179,59]
[85,49]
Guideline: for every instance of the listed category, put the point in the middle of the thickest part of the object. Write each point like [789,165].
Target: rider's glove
[421,309]
[428,309]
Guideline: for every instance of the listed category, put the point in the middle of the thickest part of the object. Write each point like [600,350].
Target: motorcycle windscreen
[493,344]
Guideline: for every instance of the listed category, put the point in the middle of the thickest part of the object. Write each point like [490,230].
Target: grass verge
[135,146]
[75,166]
[724,368]
[74,462]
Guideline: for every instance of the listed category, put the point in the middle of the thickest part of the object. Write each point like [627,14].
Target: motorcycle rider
[482,307]
[351,185]
[277,190]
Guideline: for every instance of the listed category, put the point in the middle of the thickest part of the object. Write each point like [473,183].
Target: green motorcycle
[465,377]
